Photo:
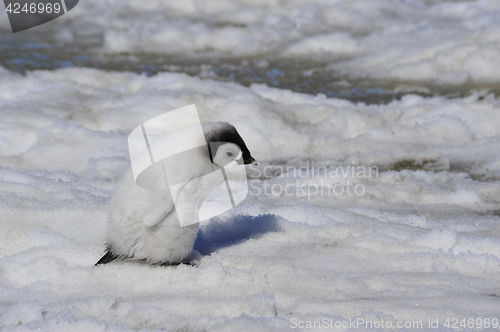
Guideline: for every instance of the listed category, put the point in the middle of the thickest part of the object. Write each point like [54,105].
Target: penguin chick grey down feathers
[143,224]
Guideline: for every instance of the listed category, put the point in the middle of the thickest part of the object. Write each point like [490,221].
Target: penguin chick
[143,223]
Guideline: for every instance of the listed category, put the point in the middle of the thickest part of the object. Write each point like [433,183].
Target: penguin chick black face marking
[225,132]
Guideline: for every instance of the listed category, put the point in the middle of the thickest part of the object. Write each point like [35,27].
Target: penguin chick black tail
[109,256]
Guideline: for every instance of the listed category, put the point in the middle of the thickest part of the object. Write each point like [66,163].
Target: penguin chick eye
[229,154]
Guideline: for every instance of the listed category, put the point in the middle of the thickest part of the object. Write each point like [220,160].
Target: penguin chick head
[230,140]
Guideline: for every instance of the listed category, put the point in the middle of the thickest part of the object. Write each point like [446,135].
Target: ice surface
[442,43]
[422,241]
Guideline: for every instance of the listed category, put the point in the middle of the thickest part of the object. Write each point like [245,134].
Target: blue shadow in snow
[220,234]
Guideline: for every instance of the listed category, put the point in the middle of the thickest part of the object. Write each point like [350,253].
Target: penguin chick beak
[250,161]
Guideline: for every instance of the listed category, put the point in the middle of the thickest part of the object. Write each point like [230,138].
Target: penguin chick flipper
[161,205]
[109,256]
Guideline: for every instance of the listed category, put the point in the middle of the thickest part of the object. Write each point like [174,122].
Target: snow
[421,242]
[356,212]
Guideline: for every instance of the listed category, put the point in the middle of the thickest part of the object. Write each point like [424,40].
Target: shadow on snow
[219,234]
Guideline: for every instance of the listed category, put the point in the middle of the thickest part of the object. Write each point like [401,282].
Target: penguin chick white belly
[166,241]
